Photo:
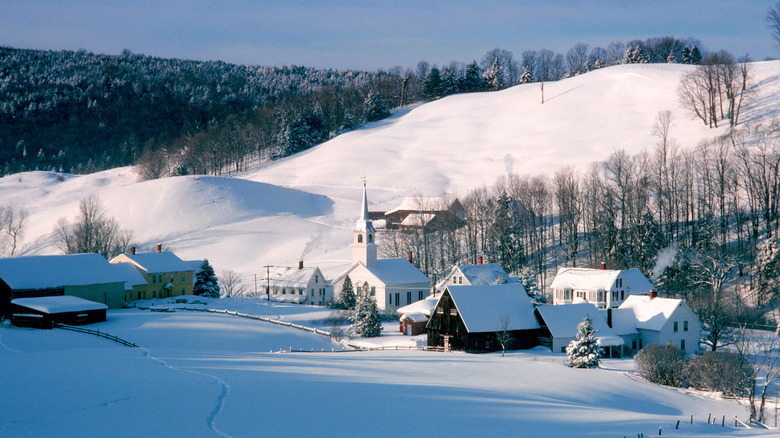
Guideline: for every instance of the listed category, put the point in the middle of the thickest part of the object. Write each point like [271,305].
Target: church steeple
[364,247]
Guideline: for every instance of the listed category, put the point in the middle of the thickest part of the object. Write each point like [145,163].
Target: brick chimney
[480,260]
[609,317]
[653,294]
[159,247]
[410,257]
[603,266]
[300,265]
[132,250]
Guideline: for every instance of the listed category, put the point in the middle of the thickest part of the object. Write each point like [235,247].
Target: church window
[370,238]
[360,238]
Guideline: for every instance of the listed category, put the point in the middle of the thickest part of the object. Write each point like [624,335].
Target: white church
[393,282]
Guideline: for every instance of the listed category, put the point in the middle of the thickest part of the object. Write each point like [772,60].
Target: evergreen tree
[347,297]
[303,131]
[767,270]
[449,82]
[685,57]
[695,55]
[365,318]
[376,108]
[526,77]
[472,80]
[584,351]
[494,76]
[432,85]
[206,283]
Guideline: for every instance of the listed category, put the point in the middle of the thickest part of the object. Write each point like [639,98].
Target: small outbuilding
[44,312]
[559,325]
[415,316]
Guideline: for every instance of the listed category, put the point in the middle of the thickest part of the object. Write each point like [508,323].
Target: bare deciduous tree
[92,232]
[12,226]
[231,284]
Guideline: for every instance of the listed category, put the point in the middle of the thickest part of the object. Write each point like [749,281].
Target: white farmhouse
[300,285]
[475,275]
[662,321]
[601,287]
[392,282]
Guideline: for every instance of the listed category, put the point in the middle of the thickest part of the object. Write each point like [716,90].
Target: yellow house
[166,274]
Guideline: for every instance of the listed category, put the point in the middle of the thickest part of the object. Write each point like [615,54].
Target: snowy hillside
[304,206]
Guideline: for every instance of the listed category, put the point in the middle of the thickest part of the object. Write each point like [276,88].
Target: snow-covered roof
[54,271]
[156,262]
[483,308]
[288,298]
[562,321]
[600,279]
[651,314]
[58,304]
[418,203]
[129,273]
[418,219]
[414,316]
[623,321]
[425,306]
[392,272]
[480,275]
[285,276]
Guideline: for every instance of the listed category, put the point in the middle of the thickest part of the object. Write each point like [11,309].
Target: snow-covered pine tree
[767,270]
[685,57]
[584,351]
[347,297]
[365,318]
[449,82]
[494,77]
[432,85]
[526,77]
[695,55]
[206,283]
[376,108]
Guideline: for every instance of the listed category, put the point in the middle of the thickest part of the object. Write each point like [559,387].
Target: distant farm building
[475,275]
[470,318]
[87,276]
[430,213]
[166,275]
[414,317]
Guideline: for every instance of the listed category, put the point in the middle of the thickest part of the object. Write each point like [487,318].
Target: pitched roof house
[392,282]
[166,274]
[662,321]
[87,276]
[475,275]
[302,285]
[417,212]
[602,287]
[469,317]
[559,326]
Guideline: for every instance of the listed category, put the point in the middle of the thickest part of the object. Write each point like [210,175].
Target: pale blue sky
[372,34]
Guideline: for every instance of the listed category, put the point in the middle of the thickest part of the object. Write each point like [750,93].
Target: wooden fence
[98,333]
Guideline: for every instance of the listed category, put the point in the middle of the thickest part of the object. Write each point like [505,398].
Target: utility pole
[268,282]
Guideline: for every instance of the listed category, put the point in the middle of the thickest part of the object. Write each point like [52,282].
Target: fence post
[678,425]
[691,418]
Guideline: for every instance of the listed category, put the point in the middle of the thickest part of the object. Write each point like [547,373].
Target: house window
[682,344]
[316,278]
[154,294]
[614,295]
[154,278]
[567,294]
[182,291]
[668,343]
[360,238]
[454,312]
[685,326]
[675,326]
[139,295]
[312,292]
[409,297]
[633,344]
[397,298]
[622,295]
[460,280]
[373,291]
[581,294]
[421,297]
[601,295]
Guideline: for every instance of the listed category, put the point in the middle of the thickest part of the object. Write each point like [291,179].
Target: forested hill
[81,112]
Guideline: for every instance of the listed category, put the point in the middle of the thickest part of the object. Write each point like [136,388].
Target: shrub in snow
[720,371]
[584,351]
[365,318]
[662,365]
[206,283]
[376,108]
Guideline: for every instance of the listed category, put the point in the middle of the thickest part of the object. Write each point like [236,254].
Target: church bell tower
[364,247]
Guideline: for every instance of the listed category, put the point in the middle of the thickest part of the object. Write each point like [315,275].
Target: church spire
[364,248]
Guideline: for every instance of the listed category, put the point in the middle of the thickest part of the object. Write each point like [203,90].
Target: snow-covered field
[204,374]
